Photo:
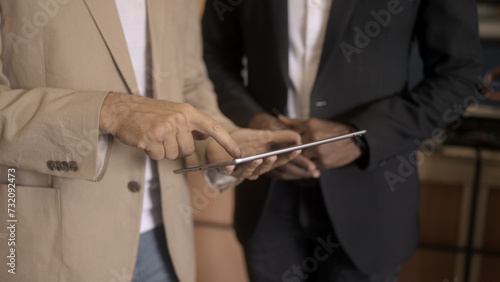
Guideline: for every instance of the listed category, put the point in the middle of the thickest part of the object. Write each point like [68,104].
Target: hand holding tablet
[270,153]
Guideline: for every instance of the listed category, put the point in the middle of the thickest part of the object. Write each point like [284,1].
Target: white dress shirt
[306,33]
[133,16]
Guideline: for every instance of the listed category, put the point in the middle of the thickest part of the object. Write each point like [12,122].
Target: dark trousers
[294,241]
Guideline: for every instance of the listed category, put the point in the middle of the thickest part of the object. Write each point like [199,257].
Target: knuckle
[217,127]
[171,150]
[179,118]
[172,155]
[141,144]
[158,126]
[154,134]
[154,155]
[187,151]
[167,127]
[187,108]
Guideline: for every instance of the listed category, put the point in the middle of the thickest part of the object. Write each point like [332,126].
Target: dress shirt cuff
[220,181]
[104,144]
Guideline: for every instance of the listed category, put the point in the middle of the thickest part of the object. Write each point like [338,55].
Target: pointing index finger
[209,126]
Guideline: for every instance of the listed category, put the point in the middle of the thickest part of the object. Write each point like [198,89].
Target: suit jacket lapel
[279,15]
[160,23]
[106,17]
[340,15]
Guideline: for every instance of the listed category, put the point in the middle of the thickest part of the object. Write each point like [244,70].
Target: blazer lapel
[160,23]
[106,17]
[279,11]
[340,15]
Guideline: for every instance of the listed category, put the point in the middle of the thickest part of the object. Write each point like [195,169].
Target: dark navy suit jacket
[362,80]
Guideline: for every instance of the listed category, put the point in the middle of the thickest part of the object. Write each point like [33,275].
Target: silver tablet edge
[271,153]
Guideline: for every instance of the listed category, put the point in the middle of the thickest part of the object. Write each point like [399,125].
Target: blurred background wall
[219,255]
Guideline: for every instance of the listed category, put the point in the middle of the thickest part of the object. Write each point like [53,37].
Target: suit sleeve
[198,89]
[41,125]
[223,54]
[47,124]
[449,44]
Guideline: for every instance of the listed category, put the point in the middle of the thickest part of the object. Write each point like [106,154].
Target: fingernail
[237,152]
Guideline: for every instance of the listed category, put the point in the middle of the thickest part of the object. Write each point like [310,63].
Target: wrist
[113,109]
[220,181]
[360,142]
[106,120]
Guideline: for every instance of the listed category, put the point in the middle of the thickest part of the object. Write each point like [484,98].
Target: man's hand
[265,121]
[300,167]
[162,129]
[255,142]
[327,156]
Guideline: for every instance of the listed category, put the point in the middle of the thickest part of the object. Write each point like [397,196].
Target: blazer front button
[321,104]
[133,186]
[51,165]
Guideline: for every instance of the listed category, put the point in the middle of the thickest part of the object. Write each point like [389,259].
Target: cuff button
[65,166]
[51,165]
[73,166]
[58,165]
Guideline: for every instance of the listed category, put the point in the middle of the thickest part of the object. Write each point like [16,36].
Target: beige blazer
[59,58]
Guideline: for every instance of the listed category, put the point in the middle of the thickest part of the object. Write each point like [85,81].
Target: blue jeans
[153,260]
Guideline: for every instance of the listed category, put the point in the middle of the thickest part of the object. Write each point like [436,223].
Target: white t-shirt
[133,16]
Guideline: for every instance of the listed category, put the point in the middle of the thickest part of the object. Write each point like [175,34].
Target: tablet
[270,153]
